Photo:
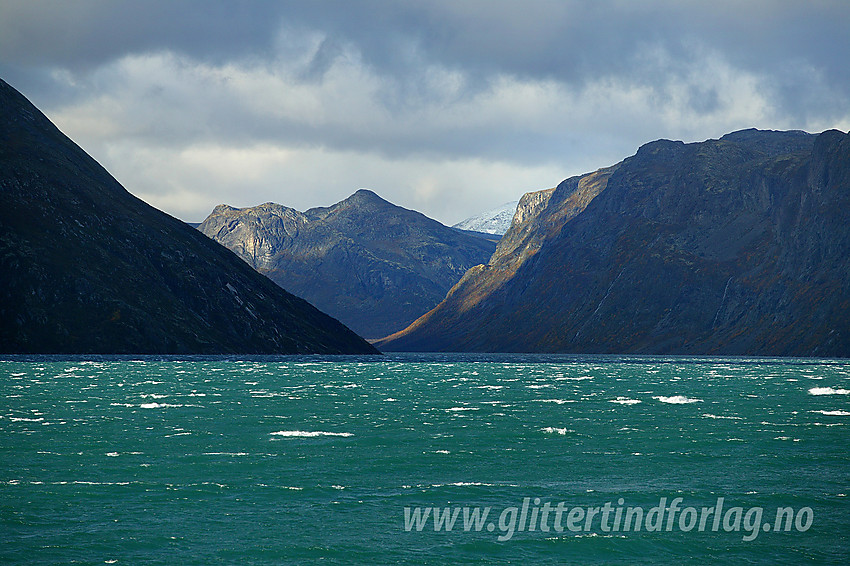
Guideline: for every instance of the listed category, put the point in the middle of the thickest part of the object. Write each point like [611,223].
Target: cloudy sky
[448,107]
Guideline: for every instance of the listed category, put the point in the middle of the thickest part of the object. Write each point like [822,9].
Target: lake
[428,459]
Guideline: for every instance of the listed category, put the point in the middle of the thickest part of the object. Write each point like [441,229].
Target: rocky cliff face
[373,265]
[730,246]
[85,267]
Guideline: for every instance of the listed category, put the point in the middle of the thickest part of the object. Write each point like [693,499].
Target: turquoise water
[314,460]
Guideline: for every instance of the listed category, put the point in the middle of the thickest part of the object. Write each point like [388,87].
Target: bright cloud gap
[316,109]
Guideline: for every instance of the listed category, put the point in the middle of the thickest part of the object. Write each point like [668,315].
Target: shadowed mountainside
[372,264]
[88,268]
[736,246]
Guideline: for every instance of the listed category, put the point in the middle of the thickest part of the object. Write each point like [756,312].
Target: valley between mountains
[730,246]
[734,246]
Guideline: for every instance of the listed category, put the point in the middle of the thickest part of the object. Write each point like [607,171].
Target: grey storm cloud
[560,38]
[433,103]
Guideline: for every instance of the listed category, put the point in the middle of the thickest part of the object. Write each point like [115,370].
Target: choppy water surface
[300,460]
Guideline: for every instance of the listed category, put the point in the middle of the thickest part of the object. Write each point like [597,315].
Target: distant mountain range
[85,267]
[736,246]
[495,221]
[373,265]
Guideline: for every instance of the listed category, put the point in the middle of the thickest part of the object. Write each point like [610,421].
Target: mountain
[736,246]
[85,267]
[496,221]
[371,264]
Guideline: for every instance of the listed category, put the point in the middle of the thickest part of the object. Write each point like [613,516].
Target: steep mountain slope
[373,265]
[85,267]
[730,246]
[496,221]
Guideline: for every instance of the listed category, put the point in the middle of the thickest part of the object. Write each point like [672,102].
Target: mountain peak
[663,148]
[362,197]
[494,221]
[750,133]
[772,142]
[223,208]
[365,193]
[374,265]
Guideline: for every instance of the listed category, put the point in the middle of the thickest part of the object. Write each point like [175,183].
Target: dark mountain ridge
[736,246]
[88,268]
[374,265]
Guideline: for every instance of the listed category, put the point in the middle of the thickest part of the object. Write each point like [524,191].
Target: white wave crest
[838,413]
[677,399]
[625,401]
[828,391]
[308,433]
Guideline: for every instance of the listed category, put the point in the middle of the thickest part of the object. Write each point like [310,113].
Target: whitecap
[625,401]
[555,430]
[828,391]
[677,399]
[308,433]
[838,413]
[710,416]
[226,454]
[462,484]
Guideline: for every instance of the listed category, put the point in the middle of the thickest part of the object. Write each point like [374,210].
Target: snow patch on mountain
[496,221]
